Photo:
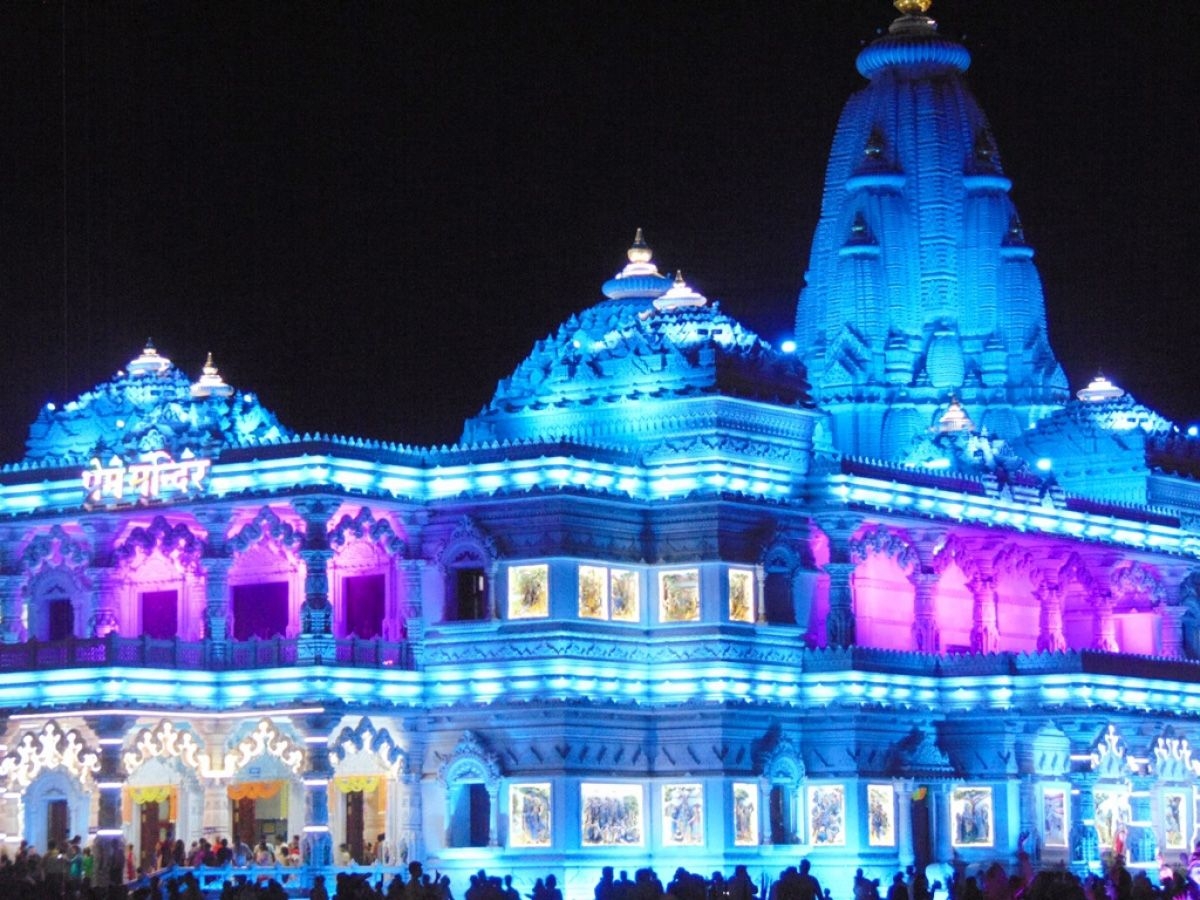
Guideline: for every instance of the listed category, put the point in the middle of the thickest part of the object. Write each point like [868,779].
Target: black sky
[370,212]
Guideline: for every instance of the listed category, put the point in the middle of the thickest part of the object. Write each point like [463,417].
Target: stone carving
[470,761]
[174,542]
[50,749]
[954,550]
[366,737]
[881,540]
[782,763]
[265,740]
[268,528]
[467,543]
[165,740]
[1108,755]
[1173,759]
[1133,581]
[55,548]
[365,526]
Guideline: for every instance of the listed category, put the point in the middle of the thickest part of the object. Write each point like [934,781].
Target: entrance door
[61,620]
[354,824]
[481,815]
[148,836]
[244,823]
[57,822]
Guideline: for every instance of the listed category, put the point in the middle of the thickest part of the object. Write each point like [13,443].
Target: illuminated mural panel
[1055,822]
[529,815]
[741,595]
[679,596]
[745,814]
[612,815]
[972,817]
[528,592]
[827,815]
[1174,820]
[683,815]
[881,817]
[1112,814]
[626,597]
[593,592]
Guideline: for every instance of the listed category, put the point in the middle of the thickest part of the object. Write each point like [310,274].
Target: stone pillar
[493,790]
[317,643]
[1104,632]
[406,834]
[924,629]
[985,635]
[492,600]
[317,847]
[904,826]
[760,599]
[105,620]
[839,627]
[216,606]
[942,823]
[1050,621]
[11,629]
[1171,631]
[109,849]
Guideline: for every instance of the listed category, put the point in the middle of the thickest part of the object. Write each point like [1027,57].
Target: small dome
[640,278]
[149,362]
[211,384]
[912,42]
[679,295]
[1099,390]
[955,419]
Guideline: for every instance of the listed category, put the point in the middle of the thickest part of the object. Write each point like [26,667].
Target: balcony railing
[143,652]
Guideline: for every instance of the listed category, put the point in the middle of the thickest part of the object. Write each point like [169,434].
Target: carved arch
[470,761]
[954,550]
[55,566]
[1108,755]
[1133,580]
[161,558]
[881,540]
[468,543]
[55,548]
[1013,559]
[1171,758]
[782,764]
[267,530]
[269,740]
[175,543]
[365,526]
[365,737]
[50,749]
[165,741]
[1075,570]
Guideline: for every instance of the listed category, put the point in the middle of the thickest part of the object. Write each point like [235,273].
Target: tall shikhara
[921,286]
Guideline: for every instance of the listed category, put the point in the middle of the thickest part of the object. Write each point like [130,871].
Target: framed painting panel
[972,817]
[529,823]
[612,815]
[683,815]
[827,815]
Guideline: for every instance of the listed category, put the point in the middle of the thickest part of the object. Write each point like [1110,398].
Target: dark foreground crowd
[65,875]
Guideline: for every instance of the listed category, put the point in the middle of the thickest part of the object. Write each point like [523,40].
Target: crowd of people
[66,872]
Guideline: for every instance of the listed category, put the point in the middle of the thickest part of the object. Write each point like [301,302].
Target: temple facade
[676,597]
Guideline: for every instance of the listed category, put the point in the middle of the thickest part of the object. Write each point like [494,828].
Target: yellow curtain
[348,784]
[155,793]
[254,790]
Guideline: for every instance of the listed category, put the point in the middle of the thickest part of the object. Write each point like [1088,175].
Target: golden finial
[912,7]
[679,282]
[640,251]
[209,368]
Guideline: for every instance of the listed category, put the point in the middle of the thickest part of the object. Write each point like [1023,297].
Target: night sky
[370,213]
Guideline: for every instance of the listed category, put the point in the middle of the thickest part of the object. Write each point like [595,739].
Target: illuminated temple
[676,597]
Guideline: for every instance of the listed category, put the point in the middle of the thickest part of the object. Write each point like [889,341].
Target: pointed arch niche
[266,578]
[470,776]
[953,602]
[163,791]
[467,562]
[1018,609]
[368,796]
[364,586]
[1138,594]
[1078,592]
[160,582]
[265,790]
[56,590]
[883,594]
[52,771]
